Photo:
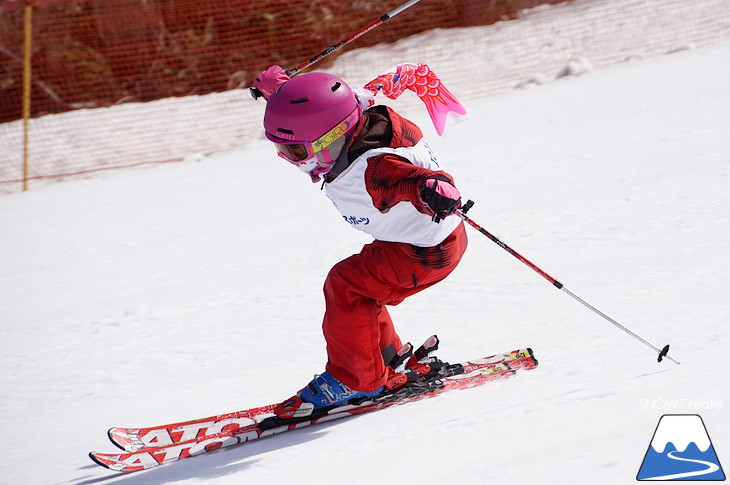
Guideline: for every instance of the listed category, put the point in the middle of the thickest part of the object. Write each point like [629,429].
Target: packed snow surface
[179,291]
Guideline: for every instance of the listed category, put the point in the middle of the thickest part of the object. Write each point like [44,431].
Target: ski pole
[375,23]
[462,214]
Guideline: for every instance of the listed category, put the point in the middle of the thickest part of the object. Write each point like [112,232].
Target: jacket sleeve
[390,179]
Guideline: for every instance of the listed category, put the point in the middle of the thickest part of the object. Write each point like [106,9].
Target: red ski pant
[356,325]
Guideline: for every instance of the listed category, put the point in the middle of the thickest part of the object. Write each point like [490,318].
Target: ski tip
[99,462]
[532,354]
[112,438]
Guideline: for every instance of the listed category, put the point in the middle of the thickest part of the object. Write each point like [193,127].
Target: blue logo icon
[681,450]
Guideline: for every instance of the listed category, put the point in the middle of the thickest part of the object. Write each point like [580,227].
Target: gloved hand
[269,80]
[439,198]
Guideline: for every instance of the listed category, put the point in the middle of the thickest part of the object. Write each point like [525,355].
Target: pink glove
[269,80]
[439,198]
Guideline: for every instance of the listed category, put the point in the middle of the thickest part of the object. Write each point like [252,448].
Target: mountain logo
[681,450]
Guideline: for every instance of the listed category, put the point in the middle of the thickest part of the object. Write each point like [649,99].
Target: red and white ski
[157,445]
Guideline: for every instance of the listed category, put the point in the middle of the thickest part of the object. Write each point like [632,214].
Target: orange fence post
[27,45]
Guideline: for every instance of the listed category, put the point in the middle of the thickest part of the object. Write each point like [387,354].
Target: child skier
[385,180]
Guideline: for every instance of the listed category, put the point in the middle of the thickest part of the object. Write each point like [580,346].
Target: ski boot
[324,391]
[417,370]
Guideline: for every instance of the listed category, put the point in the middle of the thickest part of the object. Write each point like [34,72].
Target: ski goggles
[297,152]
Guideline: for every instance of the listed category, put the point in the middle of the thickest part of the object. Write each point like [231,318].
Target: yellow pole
[26,89]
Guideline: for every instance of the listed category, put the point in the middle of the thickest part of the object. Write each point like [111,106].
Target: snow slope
[178,291]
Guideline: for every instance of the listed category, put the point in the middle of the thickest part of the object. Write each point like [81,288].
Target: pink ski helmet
[309,118]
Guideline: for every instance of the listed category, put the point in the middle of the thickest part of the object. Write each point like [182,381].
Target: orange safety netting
[105,74]
[90,53]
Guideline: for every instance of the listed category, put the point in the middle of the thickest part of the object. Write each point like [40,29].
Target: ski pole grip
[255,93]
[465,208]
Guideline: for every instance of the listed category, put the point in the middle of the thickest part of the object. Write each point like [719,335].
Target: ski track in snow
[177,291]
